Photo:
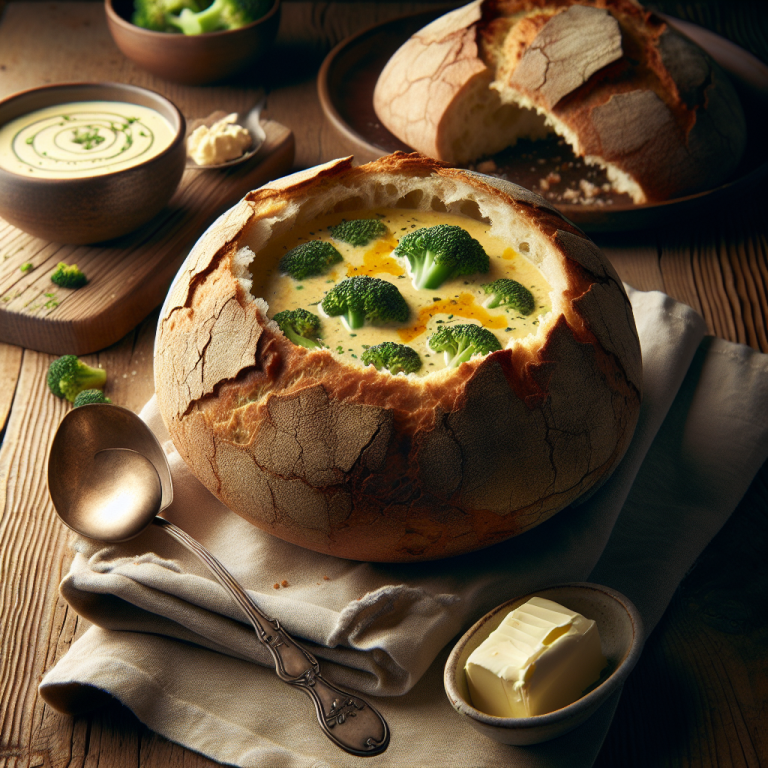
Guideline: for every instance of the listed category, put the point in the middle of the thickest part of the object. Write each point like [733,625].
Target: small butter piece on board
[224,140]
[541,657]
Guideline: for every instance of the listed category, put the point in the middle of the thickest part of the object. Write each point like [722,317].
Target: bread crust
[361,464]
[627,92]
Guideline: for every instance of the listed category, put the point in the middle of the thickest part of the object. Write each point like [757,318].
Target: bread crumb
[275,586]
[588,188]
[283,583]
[487,166]
[550,179]
[326,578]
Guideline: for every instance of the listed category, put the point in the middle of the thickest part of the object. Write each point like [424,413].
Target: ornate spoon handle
[346,719]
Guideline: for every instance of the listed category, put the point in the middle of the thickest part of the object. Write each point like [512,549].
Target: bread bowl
[626,91]
[325,452]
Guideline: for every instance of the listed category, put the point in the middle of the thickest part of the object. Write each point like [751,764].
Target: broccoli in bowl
[195,17]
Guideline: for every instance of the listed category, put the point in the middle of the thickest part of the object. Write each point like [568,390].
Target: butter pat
[542,657]
[224,140]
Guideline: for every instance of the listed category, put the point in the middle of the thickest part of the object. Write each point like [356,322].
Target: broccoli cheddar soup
[87,138]
[322,282]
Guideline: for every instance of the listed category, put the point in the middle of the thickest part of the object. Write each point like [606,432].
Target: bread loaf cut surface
[625,90]
[355,462]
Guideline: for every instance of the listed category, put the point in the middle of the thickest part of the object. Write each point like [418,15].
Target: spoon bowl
[85,471]
[114,512]
[108,477]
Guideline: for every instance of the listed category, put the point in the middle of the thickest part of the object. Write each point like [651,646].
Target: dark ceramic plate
[350,71]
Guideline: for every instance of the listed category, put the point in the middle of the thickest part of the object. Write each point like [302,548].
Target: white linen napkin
[170,644]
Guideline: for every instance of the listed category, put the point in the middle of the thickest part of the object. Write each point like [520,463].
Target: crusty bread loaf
[359,463]
[626,91]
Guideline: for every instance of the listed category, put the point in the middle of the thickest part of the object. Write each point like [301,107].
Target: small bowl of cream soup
[88,162]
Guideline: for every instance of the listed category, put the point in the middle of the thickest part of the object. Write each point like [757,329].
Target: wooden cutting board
[128,277]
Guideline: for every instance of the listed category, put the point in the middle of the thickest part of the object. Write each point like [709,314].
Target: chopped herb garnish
[88,139]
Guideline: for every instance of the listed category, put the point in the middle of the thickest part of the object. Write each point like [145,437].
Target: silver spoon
[109,478]
[250,120]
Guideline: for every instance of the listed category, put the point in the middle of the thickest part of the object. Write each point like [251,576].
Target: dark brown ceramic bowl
[191,59]
[621,640]
[95,208]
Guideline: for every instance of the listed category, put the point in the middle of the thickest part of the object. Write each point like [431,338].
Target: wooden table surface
[699,696]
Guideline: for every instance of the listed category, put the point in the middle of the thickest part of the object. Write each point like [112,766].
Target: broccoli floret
[396,358]
[309,259]
[436,254]
[300,326]
[509,293]
[88,396]
[26,267]
[358,231]
[461,342]
[364,299]
[66,276]
[153,14]
[68,376]
[220,15]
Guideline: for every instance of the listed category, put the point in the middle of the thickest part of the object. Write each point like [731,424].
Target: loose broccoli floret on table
[358,232]
[461,342]
[68,376]
[300,326]
[509,293]
[153,14]
[396,358]
[220,15]
[26,267]
[440,253]
[362,299]
[66,276]
[309,259]
[88,396]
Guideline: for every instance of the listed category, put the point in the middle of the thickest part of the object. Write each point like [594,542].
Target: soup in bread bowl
[397,361]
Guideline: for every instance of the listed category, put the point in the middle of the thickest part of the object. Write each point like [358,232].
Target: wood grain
[699,697]
[10,367]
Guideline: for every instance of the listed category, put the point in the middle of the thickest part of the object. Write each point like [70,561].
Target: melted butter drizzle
[464,305]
